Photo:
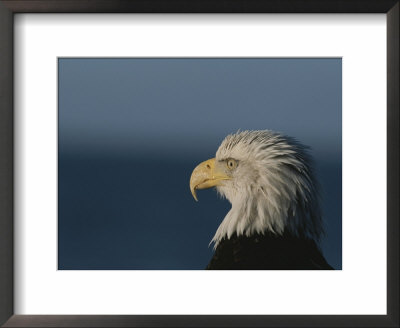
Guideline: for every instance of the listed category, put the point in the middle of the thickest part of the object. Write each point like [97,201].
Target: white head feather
[272,187]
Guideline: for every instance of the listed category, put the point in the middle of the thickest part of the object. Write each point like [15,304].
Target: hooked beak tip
[194,194]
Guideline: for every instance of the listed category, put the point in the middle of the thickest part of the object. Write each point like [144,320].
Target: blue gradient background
[132,130]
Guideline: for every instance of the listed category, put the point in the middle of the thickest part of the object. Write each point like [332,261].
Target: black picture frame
[10,7]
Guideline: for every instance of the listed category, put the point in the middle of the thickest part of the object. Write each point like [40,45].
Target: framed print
[116,115]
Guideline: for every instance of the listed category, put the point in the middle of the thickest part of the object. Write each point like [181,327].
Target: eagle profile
[275,221]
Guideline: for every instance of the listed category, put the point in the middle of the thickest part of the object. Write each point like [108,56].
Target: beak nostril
[208,166]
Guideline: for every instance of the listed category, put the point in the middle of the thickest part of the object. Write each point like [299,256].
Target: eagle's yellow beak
[206,175]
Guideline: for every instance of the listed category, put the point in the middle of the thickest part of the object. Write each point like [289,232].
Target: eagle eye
[231,164]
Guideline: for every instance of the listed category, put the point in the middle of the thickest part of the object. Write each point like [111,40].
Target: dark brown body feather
[267,252]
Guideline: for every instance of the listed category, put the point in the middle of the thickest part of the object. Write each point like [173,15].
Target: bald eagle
[275,221]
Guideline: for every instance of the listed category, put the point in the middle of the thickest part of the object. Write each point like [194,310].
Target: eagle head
[268,179]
